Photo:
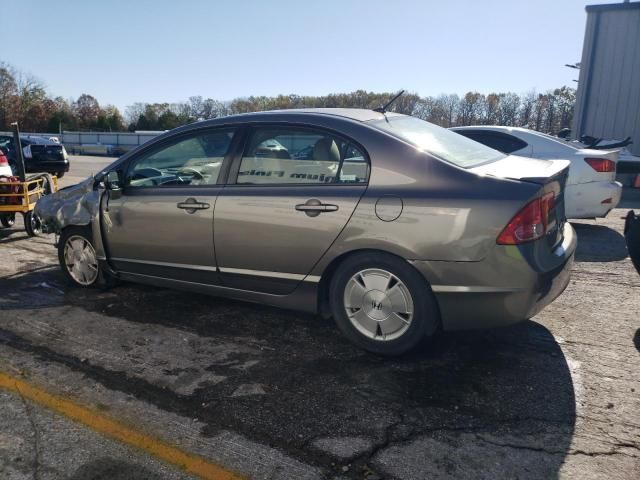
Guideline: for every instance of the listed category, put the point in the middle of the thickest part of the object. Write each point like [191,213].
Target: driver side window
[193,160]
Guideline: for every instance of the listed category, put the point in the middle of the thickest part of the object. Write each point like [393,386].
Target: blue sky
[127,51]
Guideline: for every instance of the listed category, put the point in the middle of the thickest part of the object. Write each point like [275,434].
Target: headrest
[326,150]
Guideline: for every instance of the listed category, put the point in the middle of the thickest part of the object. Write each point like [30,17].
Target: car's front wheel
[382,303]
[77,257]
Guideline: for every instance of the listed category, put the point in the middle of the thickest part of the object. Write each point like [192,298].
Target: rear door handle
[314,207]
[190,205]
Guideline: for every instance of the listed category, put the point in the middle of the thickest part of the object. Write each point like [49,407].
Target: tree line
[23,98]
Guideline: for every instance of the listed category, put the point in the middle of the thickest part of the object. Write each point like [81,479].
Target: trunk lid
[523,168]
[551,175]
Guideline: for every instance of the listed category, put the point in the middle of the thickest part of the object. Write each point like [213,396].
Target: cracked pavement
[278,394]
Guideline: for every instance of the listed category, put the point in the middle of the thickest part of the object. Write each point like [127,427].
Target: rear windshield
[438,141]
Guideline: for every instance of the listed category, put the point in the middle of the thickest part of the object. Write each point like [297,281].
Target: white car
[591,191]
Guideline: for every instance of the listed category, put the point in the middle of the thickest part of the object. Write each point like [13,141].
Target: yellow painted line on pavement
[100,423]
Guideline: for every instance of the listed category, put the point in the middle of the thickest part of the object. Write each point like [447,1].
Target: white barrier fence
[97,143]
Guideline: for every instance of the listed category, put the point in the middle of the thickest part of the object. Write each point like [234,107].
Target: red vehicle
[5,168]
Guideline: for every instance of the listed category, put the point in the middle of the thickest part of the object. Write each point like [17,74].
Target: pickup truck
[40,154]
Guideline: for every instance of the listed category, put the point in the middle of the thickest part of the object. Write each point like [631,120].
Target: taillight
[530,223]
[3,159]
[548,203]
[601,165]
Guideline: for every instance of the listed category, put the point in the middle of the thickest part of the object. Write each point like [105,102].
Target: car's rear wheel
[77,257]
[60,174]
[8,220]
[382,303]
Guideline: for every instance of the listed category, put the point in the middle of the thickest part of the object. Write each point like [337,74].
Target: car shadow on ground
[478,404]
[598,243]
[9,235]
[630,198]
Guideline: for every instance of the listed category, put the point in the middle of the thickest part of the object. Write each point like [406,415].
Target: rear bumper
[585,200]
[501,290]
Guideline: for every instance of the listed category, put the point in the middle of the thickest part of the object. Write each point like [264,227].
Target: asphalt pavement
[83,166]
[199,384]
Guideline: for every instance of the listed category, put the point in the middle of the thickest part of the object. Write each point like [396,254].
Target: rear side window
[275,156]
[502,142]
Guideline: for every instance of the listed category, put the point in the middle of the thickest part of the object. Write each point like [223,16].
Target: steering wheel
[191,171]
[147,172]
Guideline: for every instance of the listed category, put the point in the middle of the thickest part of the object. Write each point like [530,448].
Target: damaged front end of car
[76,205]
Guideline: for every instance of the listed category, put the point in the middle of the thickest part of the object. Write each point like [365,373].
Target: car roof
[358,114]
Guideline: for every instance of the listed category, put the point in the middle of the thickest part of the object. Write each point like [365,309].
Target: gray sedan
[393,226]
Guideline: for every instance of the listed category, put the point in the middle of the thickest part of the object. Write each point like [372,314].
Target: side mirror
[112,183]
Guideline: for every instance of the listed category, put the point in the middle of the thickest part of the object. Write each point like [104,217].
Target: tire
[32,224]
[77,257]
[391,306]
[60,174]
[8,220]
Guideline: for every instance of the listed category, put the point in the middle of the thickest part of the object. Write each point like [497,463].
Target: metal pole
[22,175]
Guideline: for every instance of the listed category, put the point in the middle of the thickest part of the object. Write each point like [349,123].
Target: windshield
[438,141]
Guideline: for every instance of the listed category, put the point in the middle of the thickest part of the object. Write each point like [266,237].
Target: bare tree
[27,108]
[423,108]
[214,109]
[508,109]
[133,112]
[490,107]
[450,107]
[196,107]
[526,108]
[539,112]
[470,106]
[566,101]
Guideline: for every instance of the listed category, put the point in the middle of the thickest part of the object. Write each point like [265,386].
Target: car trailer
[20,194]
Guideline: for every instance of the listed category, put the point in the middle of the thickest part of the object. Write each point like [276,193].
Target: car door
[291,192]
[162,224]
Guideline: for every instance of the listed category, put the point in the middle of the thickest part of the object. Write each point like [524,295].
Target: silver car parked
[391,225]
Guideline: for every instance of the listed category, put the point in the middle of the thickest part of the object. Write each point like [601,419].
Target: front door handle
[313,207]
[190,205]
